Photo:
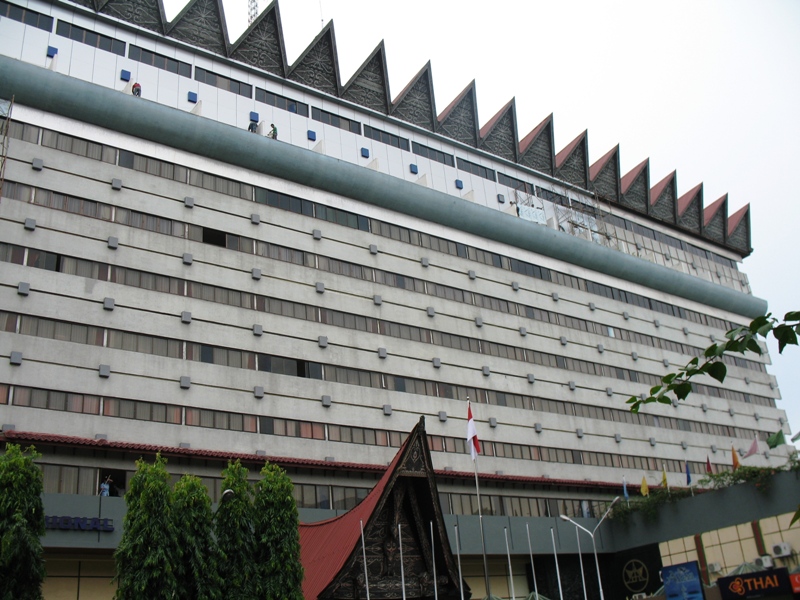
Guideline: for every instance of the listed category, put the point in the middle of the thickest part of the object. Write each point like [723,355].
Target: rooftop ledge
[83,101]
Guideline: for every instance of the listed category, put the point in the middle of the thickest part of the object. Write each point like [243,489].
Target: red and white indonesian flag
[472,435]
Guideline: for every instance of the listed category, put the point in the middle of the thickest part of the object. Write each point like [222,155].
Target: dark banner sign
[79,523]
[764,584]
[682,582]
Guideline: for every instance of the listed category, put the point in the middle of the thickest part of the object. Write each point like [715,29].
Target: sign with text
[682,582]
[764,584]
[79,523]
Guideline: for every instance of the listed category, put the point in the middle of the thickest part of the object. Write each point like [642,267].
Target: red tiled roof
[711,210]
[656,190]
[456,100]
[685,200]
[595,169]
[736,218]
[628,179]
[488,127]
[562,156]
[531,137]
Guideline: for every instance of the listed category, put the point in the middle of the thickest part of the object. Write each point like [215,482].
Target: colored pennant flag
[734,458]
[708,465]
[472,434]
[753,449]
[625,488]
[645,489]
[664,481]
[776,439]
[688,475]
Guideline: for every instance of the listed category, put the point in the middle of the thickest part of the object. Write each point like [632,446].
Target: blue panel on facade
[125,75]
[413,168]
[51,51]
[192,97]
[459,184]
[365,152]
[312,135]
[254,116]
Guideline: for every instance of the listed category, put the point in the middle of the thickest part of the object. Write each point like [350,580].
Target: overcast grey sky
[710,88]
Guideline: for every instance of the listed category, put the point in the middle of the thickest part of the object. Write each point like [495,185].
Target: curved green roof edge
[90,103]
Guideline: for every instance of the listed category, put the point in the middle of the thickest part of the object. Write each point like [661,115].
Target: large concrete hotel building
[174,279]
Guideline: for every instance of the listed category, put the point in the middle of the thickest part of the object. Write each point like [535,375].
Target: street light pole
[594,546]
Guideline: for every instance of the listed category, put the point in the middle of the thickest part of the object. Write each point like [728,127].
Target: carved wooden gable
[663,199]
[262,46]
[604,176]
[144,13]
[415,103]
[369,86]
[537,149]
[317,66]
[459,121]
[499,135]
[572,162]
[689,209]
[201,24]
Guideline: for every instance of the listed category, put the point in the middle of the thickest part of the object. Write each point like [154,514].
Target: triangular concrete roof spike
[595,169]
[685,200]
[308,76]
[148,17]
[459,121]
[197,17]
[630,176]
[404,98]
[736,218]
[531,137]
[273,8]
[380,50]
[563,155]
[711,210]
[491,122]
[496,138]
[446,112]
[656,190]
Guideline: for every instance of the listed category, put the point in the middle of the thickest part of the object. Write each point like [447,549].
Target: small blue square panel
[459,184]
[125,75]
[501,199]
[312,135]
[192,97]
[413,168]
[254,116]
[365,152]
[51,51]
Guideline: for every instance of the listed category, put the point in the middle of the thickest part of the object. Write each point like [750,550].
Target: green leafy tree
[276,521]
[148,552]
[235,537]
[197,570]
[21,523]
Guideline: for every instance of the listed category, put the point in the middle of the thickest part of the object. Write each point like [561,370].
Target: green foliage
[649,505]
[21,523]
[235,537]
[275,522]
[761,477]
[197,571]
[740,341]
[148,552]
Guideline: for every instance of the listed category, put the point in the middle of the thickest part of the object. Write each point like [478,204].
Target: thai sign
[79,523]
[764,584]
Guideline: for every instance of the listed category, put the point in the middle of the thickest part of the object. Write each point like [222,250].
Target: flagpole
[364,555]
[433,560]
[510,571]
[402,571]
[533,569]
[483,541]
[555,555]
[458,555]
[580,559]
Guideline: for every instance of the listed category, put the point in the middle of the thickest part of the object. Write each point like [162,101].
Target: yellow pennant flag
[664,481]
[645,490]
[734,458]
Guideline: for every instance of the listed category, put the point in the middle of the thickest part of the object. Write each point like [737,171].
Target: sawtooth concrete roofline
[66,96]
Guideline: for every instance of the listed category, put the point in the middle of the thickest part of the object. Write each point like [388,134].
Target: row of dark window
[26,15]
[282,102]
[90,38]
[142,410]
[219,238]
[433,154]
[384,137]
[224,83]
[375,226]
[159,61]
[476,169]
[329,118]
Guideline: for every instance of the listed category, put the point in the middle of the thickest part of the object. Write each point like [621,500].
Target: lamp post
[591,535]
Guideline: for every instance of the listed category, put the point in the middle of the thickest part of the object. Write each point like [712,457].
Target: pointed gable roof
[690,207]
[739,230]
[262,45]
[202,23]
[499,135]
[572,161]
[148,14]
[630,176]
[318,65]
[710,211]
[715,220]
[415,104]
[331,548]
[685,200]
[369,85]
[604,175]
[659,188]
[536,150]
[459,121]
